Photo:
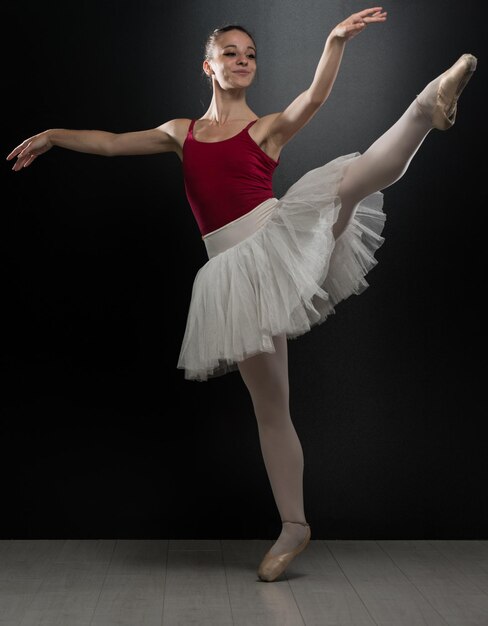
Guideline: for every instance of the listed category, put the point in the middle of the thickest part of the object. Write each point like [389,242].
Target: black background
[101,434]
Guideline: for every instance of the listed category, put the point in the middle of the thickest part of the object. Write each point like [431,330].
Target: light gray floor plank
[215,583]
[4,546]
[323,593]
[24,564]
[194,544]
[196,588]
[453,594]
[69,592]
[133,590]
[67,600]
[84,554]
[469,556]
[139,556]
[254,602]
[131,600]
[24,559]
[16,597]
[391,599]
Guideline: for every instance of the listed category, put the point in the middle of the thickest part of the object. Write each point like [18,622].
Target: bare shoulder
[177,130]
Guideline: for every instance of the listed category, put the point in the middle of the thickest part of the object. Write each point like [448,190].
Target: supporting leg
[266,377]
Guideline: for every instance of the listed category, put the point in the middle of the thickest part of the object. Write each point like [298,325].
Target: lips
[241,72]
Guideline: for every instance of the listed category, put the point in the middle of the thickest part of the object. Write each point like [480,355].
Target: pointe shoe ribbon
[273,565]
[451,84]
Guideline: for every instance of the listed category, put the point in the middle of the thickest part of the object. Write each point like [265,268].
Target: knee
[272,409]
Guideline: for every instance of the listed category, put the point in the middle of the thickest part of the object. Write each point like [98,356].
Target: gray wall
[102,435]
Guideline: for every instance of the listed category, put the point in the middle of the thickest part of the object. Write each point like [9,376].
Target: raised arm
[287,123]
[152,141]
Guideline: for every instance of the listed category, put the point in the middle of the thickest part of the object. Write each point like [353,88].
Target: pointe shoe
[452,82]
[274,564]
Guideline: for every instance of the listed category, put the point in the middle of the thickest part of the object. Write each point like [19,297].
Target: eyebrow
[232,45]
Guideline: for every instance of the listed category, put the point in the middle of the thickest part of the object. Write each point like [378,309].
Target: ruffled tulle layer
[285,278]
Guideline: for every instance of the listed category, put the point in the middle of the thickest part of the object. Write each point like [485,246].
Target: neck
[228,106]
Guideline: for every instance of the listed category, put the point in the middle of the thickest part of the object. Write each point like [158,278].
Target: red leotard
[225,179]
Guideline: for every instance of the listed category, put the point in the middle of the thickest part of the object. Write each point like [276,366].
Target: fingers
[18,165]
[29,160]
[23,154]
[366,12]
[17,150]
[381,17]
[23,161]
[360,19]
[357,22]
[21,149]
[372,15]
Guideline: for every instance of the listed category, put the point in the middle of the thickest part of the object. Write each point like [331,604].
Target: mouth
[242,72]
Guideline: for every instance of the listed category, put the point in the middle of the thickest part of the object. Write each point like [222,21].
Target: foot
[288,546]
[292,534]
[438,100]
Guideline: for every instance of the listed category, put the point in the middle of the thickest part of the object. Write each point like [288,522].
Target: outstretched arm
[152,141]
[304,107]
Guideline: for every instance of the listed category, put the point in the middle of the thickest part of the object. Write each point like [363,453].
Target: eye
[251,56]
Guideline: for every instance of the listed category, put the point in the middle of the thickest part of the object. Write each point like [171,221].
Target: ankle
[421,111]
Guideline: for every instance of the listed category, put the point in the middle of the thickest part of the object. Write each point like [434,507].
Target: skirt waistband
[239,229]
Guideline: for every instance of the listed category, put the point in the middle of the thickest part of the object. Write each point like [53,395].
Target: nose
[242,60]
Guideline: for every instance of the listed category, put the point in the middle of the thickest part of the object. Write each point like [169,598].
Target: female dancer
[276,266]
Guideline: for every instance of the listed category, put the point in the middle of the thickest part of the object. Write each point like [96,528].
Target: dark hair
[212,38]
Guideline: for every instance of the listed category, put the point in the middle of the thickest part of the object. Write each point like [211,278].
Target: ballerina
[277,266]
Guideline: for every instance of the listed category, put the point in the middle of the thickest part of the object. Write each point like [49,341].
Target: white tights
[266,375]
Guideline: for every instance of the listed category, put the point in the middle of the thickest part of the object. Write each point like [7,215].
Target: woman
[276,267]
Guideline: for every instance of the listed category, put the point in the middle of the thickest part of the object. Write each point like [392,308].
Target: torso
[225,178]
[205,132]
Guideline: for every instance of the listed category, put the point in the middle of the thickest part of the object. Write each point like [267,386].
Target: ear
[207,68]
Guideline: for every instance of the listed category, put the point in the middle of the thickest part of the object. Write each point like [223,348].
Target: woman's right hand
[30,149]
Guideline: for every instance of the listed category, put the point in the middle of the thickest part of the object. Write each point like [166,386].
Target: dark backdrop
[101,434]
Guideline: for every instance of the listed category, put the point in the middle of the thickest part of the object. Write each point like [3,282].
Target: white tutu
[285,277]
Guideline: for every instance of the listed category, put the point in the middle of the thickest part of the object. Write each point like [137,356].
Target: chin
[247,79]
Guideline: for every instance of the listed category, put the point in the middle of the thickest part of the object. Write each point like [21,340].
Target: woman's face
[233,61]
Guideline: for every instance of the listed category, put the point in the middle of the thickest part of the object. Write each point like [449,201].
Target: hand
[30,149]
[356,23]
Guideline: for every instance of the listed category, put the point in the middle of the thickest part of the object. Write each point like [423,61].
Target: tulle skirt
[278,270]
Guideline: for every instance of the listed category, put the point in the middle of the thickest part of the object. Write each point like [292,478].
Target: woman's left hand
[357,22]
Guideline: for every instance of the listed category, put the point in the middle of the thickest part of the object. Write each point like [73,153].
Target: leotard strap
[250,124]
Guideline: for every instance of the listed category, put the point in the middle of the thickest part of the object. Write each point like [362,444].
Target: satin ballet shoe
[275,564]
[452,82]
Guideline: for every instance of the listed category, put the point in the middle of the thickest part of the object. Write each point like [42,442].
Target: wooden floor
[173,583]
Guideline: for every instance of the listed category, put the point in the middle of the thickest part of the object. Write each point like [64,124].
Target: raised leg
[387,159]
[383,163]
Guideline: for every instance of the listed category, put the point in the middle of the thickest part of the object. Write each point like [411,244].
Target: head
[230,57]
